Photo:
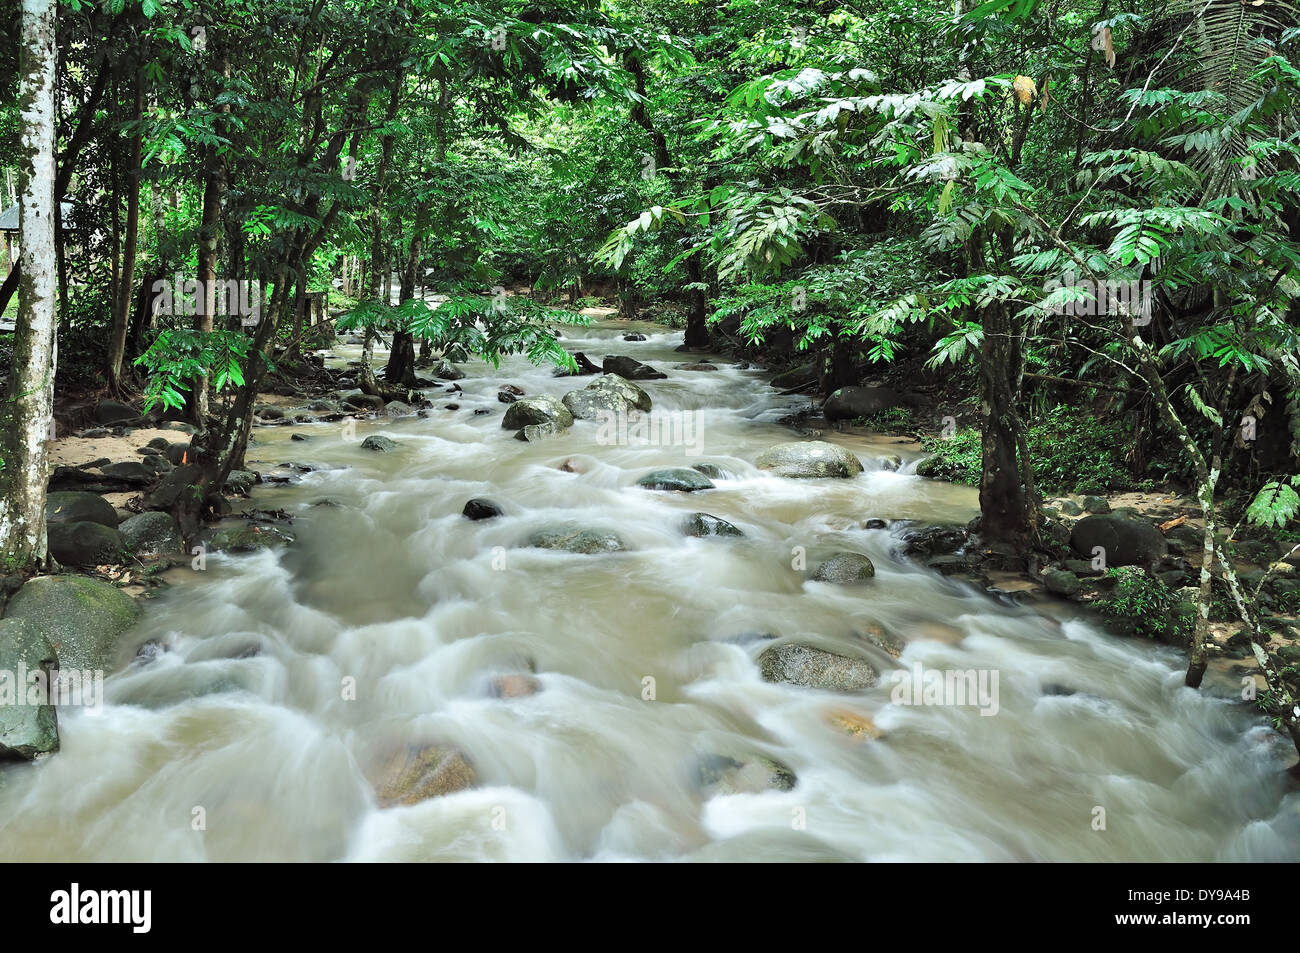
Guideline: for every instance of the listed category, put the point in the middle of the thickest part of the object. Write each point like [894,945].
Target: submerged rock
[248,538]
[796,664]
[675,478]
[416,774]
[845,568]
[702,524]
[583,541]
[517,685]
[379,443]
[809,460]
[718,774]
[83,618]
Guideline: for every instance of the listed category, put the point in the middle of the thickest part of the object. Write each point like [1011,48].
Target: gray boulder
[152,534]
[850,402]
[542,409]
[583,541]
[84,544]
[85,618]
[809,460]
[675,478]
[379,443]
[719,774]
[702,524]
[74,506]
[845,569]
[810,667]
[1126,542]
[26,730]
[608,394]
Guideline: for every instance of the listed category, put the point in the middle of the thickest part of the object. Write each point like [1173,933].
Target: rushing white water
[239,743]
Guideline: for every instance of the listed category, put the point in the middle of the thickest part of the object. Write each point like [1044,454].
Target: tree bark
[126,281]
[28,409]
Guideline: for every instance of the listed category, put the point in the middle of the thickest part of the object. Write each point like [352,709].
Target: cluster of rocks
[545,415]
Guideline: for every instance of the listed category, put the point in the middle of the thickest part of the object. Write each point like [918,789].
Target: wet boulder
[718,774]
[581,541]
[703,525]
[84,618]
[796,664]
[445,371]
[606,395]
[537,432]
[542,409]
[630,369]
[26,730]
[379,443]
[683,479]
[248,538]
[809,460]
[480,509]
[583,367]
[936,540]
[845,569]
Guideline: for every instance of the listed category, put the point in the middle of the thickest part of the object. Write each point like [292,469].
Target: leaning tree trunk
[27,414]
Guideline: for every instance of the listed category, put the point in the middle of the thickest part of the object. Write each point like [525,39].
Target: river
[255,736]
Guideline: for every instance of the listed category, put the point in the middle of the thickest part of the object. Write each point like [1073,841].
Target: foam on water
[245,723]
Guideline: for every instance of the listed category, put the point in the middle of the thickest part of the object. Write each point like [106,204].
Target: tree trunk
[214,190]
[126,281]
[1003,503]
[28,409]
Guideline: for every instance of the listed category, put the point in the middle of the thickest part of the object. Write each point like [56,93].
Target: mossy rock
[83,618]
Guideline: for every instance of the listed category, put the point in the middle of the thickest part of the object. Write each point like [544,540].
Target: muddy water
[244,742]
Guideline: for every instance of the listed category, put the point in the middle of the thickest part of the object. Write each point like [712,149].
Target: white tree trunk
[28,409]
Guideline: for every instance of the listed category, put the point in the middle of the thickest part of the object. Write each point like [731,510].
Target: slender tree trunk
[126,282]
[214,190]
[27,414]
